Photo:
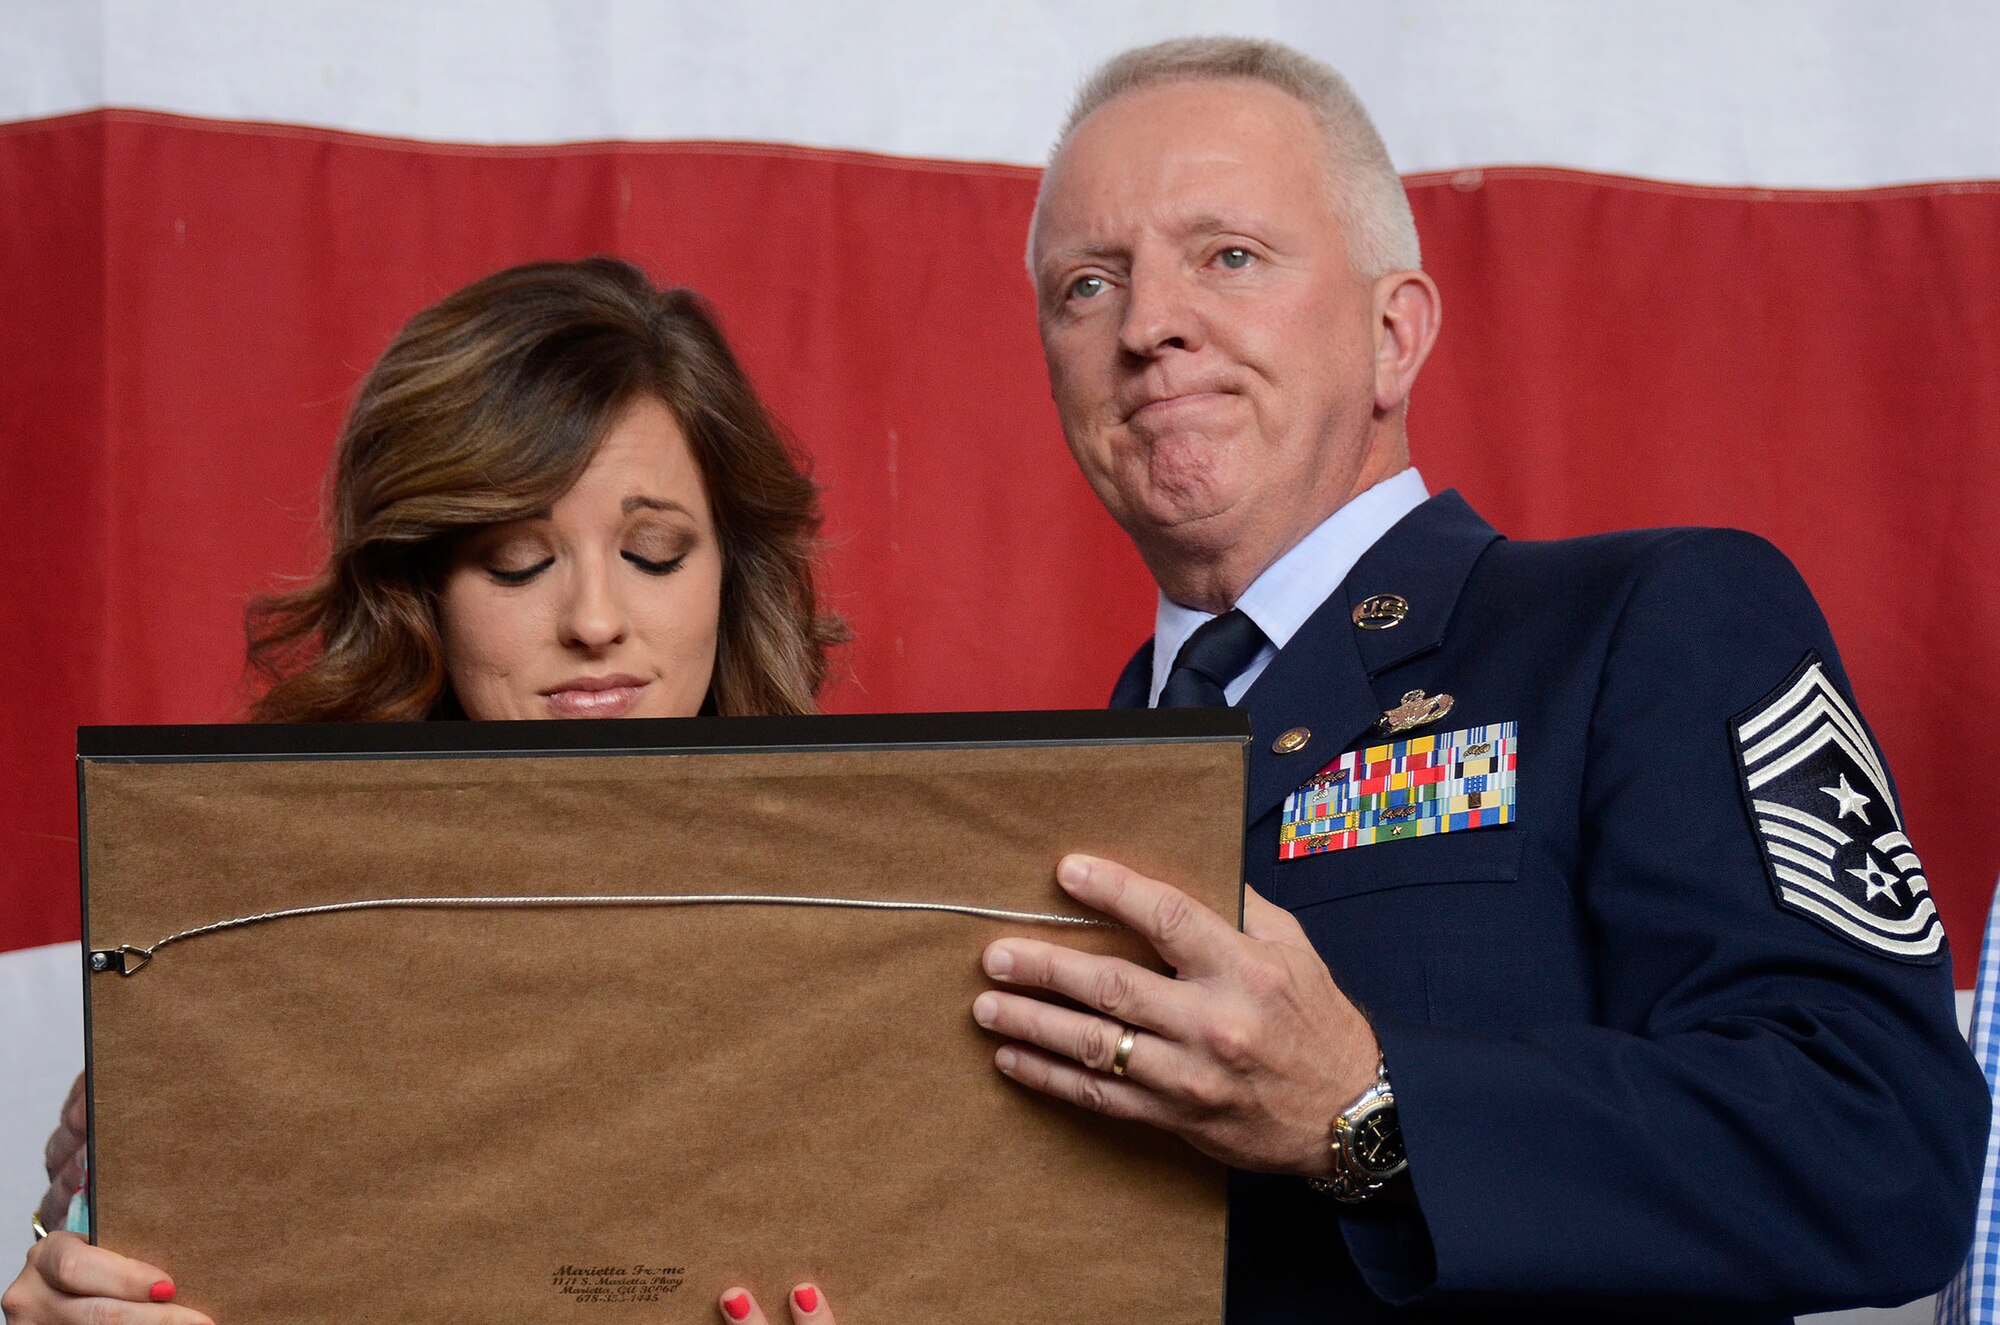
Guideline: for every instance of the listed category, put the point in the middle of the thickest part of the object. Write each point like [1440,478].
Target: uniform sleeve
[1768,1109]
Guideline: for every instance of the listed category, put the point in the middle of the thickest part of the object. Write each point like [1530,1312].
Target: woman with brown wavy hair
[556,496]
[488,408]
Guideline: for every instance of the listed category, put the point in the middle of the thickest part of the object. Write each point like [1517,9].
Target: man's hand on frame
[1247,1052]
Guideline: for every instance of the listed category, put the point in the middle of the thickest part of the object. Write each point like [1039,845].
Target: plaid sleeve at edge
[1970,1298]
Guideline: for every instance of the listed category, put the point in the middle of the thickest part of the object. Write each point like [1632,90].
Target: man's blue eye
[1086,287]
[1234,258]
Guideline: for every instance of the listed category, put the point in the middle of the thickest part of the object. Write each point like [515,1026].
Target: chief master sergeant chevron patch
[1830,832]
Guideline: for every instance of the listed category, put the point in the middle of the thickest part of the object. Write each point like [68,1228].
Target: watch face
[1377,1141]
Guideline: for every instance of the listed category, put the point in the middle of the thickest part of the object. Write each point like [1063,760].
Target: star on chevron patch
[1826,825]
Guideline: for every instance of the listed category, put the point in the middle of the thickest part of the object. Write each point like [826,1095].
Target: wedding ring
[1124,1054]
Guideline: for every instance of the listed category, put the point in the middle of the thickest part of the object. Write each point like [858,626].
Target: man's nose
[1161,313]
[593,615]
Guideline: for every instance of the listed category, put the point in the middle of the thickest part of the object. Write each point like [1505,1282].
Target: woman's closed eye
[514,575]
[653,546]
[650,566]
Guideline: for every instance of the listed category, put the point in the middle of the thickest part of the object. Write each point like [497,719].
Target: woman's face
[604,606]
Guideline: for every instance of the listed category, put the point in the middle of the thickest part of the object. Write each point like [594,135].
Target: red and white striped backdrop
[1702,263]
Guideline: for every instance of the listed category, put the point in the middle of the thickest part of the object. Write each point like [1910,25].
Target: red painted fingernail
[162,1291]
[807,1297]
[737,1305]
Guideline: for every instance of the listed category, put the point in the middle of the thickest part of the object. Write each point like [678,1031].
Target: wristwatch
[1367,1144]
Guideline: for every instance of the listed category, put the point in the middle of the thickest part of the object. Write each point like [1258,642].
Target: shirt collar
[1291,588]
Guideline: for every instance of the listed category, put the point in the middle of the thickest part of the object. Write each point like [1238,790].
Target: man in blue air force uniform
[1587,973]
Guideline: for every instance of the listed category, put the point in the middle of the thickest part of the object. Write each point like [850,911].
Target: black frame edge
[665,735]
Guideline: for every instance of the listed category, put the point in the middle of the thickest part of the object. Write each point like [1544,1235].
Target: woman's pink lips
[595,697]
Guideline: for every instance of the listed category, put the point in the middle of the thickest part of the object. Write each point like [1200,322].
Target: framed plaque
[515,1022]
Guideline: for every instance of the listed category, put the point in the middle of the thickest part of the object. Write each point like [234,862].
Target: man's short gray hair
[1368,197]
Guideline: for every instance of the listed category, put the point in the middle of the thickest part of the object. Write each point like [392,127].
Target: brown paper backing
[432,1115]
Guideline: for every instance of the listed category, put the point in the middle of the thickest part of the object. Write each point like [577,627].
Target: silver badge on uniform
[1829,831]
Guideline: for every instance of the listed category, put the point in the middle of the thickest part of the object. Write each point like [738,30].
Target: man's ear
[1407,314]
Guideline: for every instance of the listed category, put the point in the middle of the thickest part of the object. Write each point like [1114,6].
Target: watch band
[1351,1181]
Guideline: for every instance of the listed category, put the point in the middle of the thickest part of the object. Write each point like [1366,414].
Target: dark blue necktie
[1210,660]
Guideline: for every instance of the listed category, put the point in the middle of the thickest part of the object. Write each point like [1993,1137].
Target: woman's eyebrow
[637,502]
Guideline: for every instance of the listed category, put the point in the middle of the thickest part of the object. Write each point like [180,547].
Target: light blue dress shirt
[1292,587]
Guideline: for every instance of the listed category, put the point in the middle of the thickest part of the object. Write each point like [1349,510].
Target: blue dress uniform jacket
[1632,1085]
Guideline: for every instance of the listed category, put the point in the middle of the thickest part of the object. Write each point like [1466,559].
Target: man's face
[1210,347]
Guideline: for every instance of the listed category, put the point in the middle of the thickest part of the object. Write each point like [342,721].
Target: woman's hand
[808,1306]
[64,1157]
[69,1282]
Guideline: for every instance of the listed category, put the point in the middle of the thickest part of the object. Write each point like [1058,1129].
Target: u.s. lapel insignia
[1416,710]
[1401,789]
[1828,829]
[1384,611]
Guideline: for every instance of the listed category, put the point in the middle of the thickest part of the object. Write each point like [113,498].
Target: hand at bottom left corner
[66,1281]
[807,1304]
